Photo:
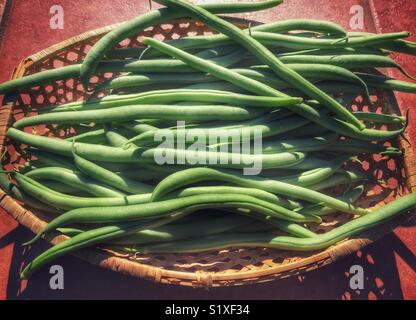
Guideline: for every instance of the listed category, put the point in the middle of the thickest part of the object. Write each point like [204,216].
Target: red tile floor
[389,264]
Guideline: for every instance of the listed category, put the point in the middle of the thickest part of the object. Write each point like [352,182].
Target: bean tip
[31,242]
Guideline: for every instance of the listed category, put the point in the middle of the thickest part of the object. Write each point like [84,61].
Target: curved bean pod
[110,178]
[172,96]
[132,112]
[76,180]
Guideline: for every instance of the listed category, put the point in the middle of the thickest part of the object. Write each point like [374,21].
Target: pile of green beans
[139,169]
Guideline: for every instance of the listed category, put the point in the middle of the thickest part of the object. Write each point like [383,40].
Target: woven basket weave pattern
[229,267]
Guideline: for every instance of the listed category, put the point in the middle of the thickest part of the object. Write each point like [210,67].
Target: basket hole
[72,56]
[391,165]
[108,75]
[166,27]
[94,80]
[392,183]
[70,83]
[69,96]
[40,99]
[125,43]
[58,64]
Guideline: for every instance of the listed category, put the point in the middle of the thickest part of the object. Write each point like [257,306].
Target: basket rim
[108,260]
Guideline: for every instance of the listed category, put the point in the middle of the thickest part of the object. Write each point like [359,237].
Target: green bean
[402,46]
[321,26]
[341,178]
[328,72]
[263,54]
[114,138]
[51,159]
[311,177]
[222,159]
[380,118]
[63,188]
[194,175]
[310,129]
[108,177]
[130,28]
[347,61]
[138,127]
[310,163]
[160,209]
[313,72]
[387,83]
[21,196]
[257,193]
[132,112]
[44,77]
[285,226]
[76,180]
[267,128]
[399,45]
[94,137]
[129,53]
[146,79]
[322,241]
[355,147]
[294,145]
[350,196]
[91,238]
[171,96]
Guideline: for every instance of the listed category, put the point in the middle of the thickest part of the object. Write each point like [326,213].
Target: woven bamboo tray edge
[198,279]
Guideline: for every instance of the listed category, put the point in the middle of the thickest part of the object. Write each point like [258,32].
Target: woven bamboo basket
[213,269]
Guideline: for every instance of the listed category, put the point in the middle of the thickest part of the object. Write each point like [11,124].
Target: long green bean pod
[108,177]
[383,82]
[319,210]
[75,179]
[172,96]
[270,39]
[132,112]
